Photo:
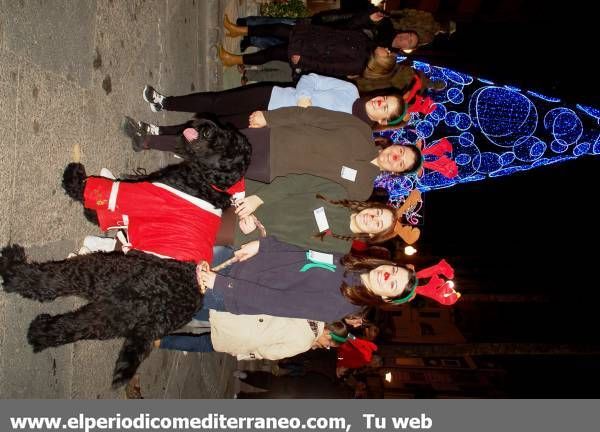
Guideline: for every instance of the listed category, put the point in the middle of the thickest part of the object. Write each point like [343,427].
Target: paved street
[69,71]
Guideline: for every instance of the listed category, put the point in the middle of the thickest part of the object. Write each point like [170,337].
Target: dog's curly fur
[220,157]
[136,296]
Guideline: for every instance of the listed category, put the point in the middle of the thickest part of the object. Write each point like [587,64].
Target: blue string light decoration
[495,130]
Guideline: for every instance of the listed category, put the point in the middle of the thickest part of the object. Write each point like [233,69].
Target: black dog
[218,157]
[137,296]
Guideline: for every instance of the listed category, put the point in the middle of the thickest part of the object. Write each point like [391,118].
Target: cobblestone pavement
[69,71]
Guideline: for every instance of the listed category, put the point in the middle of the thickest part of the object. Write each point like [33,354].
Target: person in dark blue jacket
[281,279]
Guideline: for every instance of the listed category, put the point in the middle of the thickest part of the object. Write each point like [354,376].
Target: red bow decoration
[355,353]
[417,85]
[437,288]
[444,165]
[423,105]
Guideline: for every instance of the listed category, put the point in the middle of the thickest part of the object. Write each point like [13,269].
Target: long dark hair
[359,294]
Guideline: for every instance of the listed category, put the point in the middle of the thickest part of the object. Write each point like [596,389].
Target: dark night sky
[537,231]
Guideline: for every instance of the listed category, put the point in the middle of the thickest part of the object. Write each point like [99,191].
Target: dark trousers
[231,106]
[277,52]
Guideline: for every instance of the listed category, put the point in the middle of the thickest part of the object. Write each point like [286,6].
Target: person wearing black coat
[361,16]
[309,48]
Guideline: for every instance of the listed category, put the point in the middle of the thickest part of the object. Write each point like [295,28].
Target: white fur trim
[112,200]
[204,205]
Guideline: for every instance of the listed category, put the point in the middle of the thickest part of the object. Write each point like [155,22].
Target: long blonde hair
[379,67]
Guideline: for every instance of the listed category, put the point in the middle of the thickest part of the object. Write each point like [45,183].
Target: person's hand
[376,16]
[304,102]
[323,341]
[295,59]
[340,371]
[354,322]
[205,277]
[246,206]
[247,224]
[247,251]
[257,120]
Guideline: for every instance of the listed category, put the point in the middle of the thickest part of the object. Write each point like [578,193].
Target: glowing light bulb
[388,377]
[409,250]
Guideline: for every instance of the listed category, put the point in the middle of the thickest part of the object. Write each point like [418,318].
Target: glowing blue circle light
[503,115]
[462,159]
[581,148]
[455,96]
[529,149]
[451,118]
[488,162]
[463,121]
[439,113]
[564,125]
[507,158]
[559,146]
[466,138]
[424,129]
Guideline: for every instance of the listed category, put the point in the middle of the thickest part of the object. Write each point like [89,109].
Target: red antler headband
[444,165]
[423,105]
[417,85]
[355,353]
[437,288]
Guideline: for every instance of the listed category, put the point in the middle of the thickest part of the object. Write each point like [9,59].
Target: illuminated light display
[495,130]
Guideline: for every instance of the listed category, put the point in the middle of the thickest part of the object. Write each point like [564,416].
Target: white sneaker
[99,244]
[154,98]
[106,173]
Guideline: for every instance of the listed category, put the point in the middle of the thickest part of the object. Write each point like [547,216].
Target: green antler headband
[399,118]
[410,293]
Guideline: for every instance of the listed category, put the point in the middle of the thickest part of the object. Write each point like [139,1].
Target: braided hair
[355,207]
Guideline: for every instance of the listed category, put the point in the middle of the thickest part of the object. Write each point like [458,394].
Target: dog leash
[203,266]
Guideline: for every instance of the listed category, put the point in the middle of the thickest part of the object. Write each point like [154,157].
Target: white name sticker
[320,257]
[349,173]
[321,219]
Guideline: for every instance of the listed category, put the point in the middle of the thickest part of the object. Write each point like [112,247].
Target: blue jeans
[212,300]
[263,42]
[196,343]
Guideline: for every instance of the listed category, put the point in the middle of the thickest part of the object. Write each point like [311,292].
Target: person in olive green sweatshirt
[314,213]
